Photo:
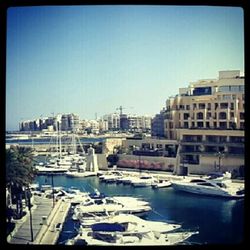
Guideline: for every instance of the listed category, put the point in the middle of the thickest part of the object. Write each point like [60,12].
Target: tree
[19,173]
[112,159]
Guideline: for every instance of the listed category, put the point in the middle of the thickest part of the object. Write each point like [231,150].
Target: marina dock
[45,219]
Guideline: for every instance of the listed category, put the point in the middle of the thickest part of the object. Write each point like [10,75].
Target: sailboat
[57,164]
[89,167]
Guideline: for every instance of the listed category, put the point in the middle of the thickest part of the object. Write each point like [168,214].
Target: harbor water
[219,220]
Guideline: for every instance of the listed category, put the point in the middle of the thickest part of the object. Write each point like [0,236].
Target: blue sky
[92,59]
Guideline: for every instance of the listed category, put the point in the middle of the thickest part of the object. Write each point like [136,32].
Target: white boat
[119,204]
[127,179]
[161,184]
[75,196]
[130,230]
[157,226]
[112,173]
[143,181]
[207,186]
[51,168]
[109,178]
[90,218]
[80,174]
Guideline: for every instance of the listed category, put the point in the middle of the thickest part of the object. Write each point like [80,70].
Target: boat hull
[204,191]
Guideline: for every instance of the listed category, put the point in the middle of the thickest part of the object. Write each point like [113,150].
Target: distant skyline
[92,59]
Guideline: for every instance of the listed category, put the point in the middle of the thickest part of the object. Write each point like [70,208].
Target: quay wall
[147,162]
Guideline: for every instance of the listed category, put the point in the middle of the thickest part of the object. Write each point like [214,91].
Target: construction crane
[121,108]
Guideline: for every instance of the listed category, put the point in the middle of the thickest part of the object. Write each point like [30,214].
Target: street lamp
[220,155]
[29,206]
[52,183]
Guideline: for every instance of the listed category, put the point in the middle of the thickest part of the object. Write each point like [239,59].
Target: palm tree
[19,173]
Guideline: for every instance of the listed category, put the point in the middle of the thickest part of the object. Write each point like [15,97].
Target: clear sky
[92,59]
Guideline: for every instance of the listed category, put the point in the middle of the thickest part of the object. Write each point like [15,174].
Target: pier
[45,219]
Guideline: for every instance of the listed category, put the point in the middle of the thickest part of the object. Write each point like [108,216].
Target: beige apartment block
[207,119]
[203,127]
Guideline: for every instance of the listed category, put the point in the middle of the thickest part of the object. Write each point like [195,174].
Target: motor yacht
[130,230]
[113,177]
[143,181]
[127,179]
[121,204]
[209,186]
[161,184]
[80,174]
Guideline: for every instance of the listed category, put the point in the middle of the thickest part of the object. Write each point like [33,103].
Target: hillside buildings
[66,122]
[70,122]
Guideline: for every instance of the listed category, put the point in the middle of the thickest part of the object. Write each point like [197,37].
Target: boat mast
[60,142]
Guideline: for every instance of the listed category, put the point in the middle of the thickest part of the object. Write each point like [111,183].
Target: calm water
[48,140]
[220,221]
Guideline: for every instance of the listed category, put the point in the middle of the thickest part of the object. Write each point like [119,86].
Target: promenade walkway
[44,217]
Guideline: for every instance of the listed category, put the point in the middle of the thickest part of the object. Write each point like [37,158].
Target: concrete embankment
[50,231]
[45,218]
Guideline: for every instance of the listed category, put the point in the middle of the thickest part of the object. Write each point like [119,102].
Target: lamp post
[29,206]
[52,183]
[220,155]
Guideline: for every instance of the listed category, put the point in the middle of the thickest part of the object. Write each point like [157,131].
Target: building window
[200,124]
[207,125]
[185,116]
[232,106]
[223,125]
[242,125]
[241,88]
[224,89]
[216,105]
[223,115]
[185,124]
[202,105]
[171,135]
[224,105]
[187,107]
[222,139]
[215,124]
[209,115]
[232,125]
[209,106]
[242,116]
[193,125]
[199,115]
[194,106]
[236,139]
[231,114]
[226,97]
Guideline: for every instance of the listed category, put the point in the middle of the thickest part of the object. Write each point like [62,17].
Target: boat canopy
[108,227]
[215,174]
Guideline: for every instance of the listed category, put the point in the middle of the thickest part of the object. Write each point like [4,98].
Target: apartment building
[207,119]
[157,124]
[70,122]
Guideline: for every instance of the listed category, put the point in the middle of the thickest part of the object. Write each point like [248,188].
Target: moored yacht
[143,181]
[207,186]
[120,204]
[130,230]
[161,184]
